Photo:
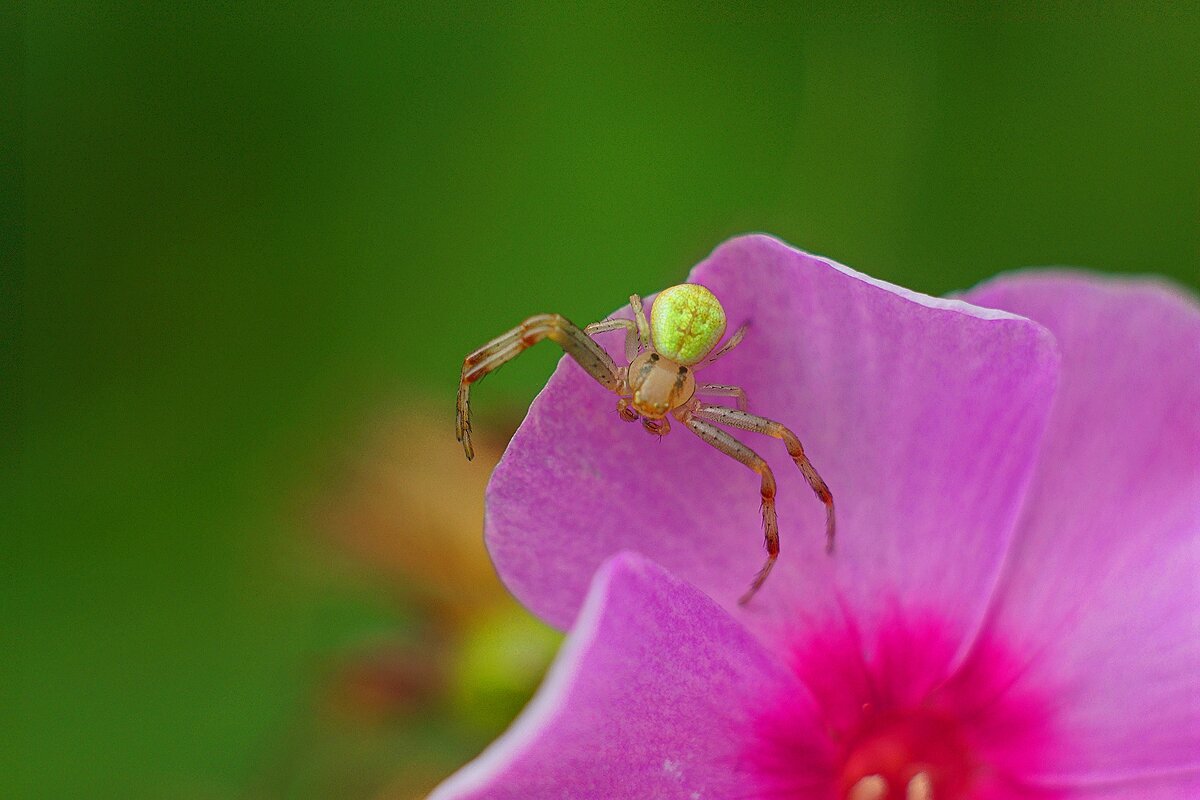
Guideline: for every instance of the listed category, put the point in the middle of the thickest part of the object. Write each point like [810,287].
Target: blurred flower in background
[394,716]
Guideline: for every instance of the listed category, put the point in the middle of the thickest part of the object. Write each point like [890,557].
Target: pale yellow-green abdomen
[686,322]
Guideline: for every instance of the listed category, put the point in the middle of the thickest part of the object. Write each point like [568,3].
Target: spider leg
[752,422]
[558,329]
[731,343]
[724,390]
[633,340]
[732,447]
[639,314]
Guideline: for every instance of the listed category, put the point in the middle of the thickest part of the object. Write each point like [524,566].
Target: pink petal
[1104,579]
[922,414]
[1166,786]
[652,695]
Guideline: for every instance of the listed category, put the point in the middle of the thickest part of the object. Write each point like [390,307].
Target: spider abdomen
[686,322]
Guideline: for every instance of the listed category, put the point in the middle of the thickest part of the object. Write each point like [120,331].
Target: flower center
[911,755]
[898,717]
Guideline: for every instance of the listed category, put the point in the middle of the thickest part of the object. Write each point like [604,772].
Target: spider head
[659,385]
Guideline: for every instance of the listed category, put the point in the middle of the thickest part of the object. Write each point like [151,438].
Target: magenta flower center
[902,715]
[894,751]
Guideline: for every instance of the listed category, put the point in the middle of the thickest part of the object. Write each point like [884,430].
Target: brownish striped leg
[732,447]
[731,343]
[633,341]
[752,422]
[724,390]
[639,315]
[508,346]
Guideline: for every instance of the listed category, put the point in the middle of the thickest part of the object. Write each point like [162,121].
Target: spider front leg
[732,447]
[574,342]
[723,390]
[637,330]
[639,314]
[633,341]
[752,422]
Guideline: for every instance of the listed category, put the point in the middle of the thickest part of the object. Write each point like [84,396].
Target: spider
[686,323]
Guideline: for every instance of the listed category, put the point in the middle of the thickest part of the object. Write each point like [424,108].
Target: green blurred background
[247,246]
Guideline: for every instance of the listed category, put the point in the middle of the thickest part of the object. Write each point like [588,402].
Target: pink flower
[1012,610]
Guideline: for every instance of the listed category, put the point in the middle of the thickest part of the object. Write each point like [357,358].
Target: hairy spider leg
[724,442]
[724,390]
[639,314]
[752,422]
[555,327]
[730,343]
[633,340]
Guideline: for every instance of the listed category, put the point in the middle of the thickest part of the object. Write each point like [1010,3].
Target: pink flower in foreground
[1012,610]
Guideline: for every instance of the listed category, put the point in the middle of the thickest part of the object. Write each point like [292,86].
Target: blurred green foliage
[234,231]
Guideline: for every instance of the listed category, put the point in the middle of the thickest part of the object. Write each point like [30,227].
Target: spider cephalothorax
[664,353]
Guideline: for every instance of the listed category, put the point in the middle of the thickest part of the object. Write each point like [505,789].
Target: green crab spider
[686,323]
